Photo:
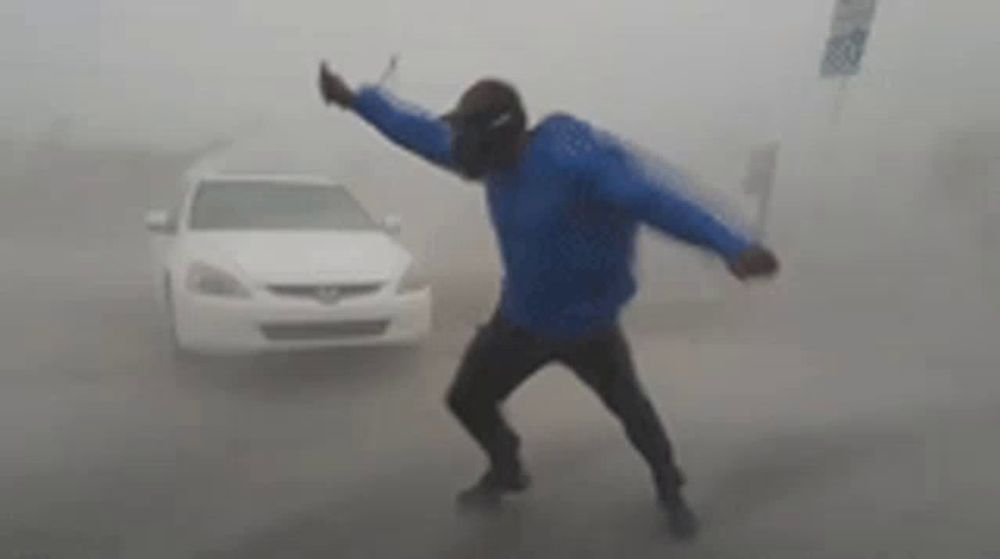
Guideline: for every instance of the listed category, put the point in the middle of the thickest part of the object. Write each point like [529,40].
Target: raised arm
[408,127]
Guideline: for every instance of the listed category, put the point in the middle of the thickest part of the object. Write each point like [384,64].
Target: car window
[258,205]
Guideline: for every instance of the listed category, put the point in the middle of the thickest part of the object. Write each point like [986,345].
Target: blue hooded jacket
[566,216]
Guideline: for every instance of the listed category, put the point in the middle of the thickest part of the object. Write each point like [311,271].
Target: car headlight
[206,279]
[414,279]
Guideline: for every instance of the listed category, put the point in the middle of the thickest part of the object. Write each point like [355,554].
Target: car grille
[310,331]
[328,293]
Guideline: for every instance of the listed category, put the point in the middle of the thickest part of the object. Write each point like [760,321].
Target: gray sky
[171,72]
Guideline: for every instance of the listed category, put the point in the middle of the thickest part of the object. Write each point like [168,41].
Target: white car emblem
[328,295]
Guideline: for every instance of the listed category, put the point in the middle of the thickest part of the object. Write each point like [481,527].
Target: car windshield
[266,205]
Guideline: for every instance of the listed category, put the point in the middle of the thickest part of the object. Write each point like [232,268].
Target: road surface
[846,411]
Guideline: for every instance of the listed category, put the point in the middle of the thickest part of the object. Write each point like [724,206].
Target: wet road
[835,414]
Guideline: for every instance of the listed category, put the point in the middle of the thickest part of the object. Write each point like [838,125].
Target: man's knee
[458,401]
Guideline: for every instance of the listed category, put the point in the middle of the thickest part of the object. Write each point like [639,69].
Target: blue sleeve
[407,127]
[611,174]
[668,211]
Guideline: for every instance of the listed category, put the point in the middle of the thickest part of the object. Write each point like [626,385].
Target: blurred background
[844,410]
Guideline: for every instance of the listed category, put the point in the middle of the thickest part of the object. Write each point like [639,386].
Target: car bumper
[218,325]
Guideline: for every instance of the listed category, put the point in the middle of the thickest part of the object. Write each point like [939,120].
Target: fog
[852,399]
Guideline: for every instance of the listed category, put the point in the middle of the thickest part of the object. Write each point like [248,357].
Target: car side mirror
[392,225]
[161,222]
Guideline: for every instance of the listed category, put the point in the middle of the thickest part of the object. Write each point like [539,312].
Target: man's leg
[497,361]
[605,364]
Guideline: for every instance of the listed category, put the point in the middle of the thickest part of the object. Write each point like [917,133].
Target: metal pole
[763,205]
[840,101]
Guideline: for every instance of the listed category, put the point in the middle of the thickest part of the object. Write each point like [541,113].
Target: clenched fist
[333,89]
[756,262]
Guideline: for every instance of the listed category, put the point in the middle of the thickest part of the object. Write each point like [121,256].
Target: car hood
[303,257]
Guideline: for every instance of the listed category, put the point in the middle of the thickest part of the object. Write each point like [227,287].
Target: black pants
[502,356]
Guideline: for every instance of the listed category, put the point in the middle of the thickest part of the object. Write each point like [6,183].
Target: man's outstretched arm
[681,218]
[614,177]
[406,126]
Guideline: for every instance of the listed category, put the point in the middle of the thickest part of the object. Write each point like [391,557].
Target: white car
[253,263]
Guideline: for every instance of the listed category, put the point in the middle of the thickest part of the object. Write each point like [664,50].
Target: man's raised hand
[333,89]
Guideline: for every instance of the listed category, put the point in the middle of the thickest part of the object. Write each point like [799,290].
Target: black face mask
[482,140]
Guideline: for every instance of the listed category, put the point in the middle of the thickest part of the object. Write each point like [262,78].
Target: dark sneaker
[681,520]
[487,492]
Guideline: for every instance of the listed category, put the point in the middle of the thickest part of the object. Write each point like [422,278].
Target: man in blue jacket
[566,201]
